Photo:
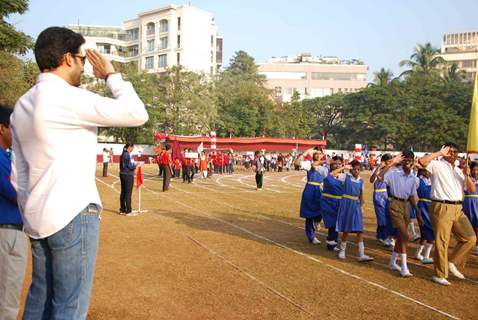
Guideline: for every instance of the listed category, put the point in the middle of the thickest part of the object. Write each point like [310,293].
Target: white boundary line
[337,269]
[248,274]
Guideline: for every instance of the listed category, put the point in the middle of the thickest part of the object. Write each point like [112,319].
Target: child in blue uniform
[349,217]
[427,239]
[329,203]
[310,203]
[470,205]
[380,199]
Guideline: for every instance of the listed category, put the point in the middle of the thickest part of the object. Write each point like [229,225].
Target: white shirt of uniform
[50,122]
[448,181]
[401,185]
[106,156]
[342,176]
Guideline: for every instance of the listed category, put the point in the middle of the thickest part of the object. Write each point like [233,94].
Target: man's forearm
[425,160]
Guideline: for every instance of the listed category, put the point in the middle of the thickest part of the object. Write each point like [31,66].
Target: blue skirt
[380,203]
[310,203]
[411,209]
[329,208]
[426,230]
[470,206]
[349,217]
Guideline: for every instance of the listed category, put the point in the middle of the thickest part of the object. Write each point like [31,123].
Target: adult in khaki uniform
[448,184]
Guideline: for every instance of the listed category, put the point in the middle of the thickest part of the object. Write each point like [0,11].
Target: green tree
[12,40]
[383,77]
[452,73]
[424,60]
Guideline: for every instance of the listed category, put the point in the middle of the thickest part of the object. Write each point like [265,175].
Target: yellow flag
[472,145]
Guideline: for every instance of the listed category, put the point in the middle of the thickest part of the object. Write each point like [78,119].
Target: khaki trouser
[399,214]
[447,219]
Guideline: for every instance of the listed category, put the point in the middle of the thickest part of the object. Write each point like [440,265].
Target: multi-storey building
[462,49]
[312,76]
[161,38]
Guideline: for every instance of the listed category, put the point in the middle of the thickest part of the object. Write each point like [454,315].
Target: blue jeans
[63,269]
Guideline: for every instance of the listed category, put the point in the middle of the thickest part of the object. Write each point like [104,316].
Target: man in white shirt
[57,194]
[448,184]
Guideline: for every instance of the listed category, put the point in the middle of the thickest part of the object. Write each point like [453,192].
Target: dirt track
[218,249]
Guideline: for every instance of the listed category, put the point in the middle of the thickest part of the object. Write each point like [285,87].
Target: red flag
[139,178]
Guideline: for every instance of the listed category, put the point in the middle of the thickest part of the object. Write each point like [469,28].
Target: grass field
[219,249]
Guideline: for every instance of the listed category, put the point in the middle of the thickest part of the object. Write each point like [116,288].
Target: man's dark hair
[53,43]
[167,146]
[5,113]
[386,157]
[408,154]
[473,164]
[451,145]
[337,158]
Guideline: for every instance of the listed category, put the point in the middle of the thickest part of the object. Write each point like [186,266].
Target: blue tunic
[310,203]
[349,217]
[329,203]
[423,192]
[380,199]
[470,206]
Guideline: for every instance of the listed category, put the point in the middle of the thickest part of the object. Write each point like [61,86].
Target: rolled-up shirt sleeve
[125,110]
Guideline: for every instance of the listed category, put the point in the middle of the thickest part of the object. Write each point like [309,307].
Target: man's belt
[448,201]
[12,226]
[399,199]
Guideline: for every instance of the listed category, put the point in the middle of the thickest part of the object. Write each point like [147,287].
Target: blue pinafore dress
[310,203]
[380,199]
[470,206]
[329,203]
[349,217]
[424,200]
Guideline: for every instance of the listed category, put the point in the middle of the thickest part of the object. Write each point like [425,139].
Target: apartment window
[179,23]
[163,60]
[150,45]
[132,51]
[163,25]
[150,28]
[212,41]
[178,58]
[179,41]
[132,34]
[212,56]
[338,76]
[104,48]
[163,42]
[284,75]
[149,63]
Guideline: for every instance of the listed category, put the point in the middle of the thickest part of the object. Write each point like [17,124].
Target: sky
[379,32]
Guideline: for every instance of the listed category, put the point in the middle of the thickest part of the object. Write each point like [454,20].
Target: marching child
[349,216]
[329,203]
[470,205]
[427,238]
[310,203]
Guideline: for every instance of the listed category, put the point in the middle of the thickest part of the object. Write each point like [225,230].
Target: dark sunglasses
[82,58]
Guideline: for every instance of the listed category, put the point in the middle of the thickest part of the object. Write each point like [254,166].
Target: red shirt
[165,158]
[177,164]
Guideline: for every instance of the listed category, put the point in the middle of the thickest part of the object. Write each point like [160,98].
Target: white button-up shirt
[448,181]
[54,143]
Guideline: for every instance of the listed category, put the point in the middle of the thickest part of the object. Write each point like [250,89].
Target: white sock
[428,249]
[420,249]
[343,245]
[411,225]
[361,249]
[393,260]
[403,258]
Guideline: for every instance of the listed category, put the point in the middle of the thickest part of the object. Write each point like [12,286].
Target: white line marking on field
[337,269]
[252,277]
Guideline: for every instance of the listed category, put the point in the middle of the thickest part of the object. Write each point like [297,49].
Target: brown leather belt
[448,201]
[12,226]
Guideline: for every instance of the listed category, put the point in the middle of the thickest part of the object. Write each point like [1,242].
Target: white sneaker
[442,281]
[365,258]
[427,260]
[419,257]
[454,271]
[415,238]
[405,273]
[383,242]
[394,267]
[315,241]
[342,254]
[331,242]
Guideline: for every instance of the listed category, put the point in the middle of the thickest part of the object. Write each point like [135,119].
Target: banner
[139,178]
[472,144]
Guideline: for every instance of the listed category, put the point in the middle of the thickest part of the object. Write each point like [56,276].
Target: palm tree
[383,77]
[424,60]
[451,73]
